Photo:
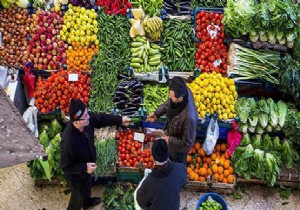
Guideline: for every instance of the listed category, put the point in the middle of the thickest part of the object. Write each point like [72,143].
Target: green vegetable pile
[106,154]
[210,204]
[150,7]
[274,21]
[50,168]
[178,44]
[263,116]
[154,96]
[113,57]
[119,197]
[208,3]
[247,64]
[262,157]
[292,127]
[290,79]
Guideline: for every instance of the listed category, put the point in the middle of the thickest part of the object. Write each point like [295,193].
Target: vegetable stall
[242,62]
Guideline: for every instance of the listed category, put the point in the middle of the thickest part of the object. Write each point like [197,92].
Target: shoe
[92,202]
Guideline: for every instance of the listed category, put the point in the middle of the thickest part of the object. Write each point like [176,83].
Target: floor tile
[4,207]
[20,200]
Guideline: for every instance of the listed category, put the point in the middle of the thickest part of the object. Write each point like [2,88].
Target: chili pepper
[121,11]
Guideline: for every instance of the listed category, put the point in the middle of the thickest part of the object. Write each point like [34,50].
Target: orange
[230,169]
[213,156]
[226,173]
[202,171]
[202,179]
[208,160]
[188,159]
[221,176]
[218,147]
[220,170]
[225,180]
[201,152]
[214,168]
[226,155]
[216,177]
[197,146]
[209,172]
[230,179]
[198,160]
[188,169]
[196,177]
[226,164]
[204,159]
[223,147]
[205,165]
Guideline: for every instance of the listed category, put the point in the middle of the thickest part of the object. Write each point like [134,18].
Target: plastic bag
[234,138]
[30,117]
[212,136]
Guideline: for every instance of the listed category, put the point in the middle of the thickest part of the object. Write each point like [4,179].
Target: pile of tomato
[130,152]
[57,91]
[211,52]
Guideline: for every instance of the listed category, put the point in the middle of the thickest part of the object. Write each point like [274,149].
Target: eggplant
[130,104]
[128,113]
[138,85]
[117,99]
[130,109]
[132,83]
[136,99]
[121,94]
[138,91]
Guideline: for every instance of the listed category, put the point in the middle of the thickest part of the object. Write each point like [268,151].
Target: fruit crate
[196,185]
[215,185]
[210,10]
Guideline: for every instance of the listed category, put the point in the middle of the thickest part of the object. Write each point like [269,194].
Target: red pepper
[128,4]
[121,11]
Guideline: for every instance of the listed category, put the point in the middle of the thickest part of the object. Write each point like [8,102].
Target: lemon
[97,42]
[232,88]
[202,106]
[231,107]
[230,116]
[215,107]
[218,101]
[214,101]
[218,89]
[209,95]
[225,117]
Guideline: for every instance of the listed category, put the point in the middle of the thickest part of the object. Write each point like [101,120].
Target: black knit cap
[160,151]
[76,109]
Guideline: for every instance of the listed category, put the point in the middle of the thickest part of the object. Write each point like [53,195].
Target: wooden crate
[46,182]
[197,186]
[222,188]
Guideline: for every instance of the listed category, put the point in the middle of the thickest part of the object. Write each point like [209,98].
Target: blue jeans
[178,157]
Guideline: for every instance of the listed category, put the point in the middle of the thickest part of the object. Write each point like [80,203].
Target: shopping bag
[30,117]
[212,135]
[28,80]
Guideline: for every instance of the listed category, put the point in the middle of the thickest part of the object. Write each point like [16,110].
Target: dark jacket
[77,148]
[182,129]
[160,190]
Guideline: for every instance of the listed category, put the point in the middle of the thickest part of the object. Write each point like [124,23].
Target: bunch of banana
[145,57]
[153,27]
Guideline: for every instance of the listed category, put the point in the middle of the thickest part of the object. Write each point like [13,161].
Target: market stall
[240,60]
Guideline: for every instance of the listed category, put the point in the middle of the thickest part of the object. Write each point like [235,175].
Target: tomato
[130,136]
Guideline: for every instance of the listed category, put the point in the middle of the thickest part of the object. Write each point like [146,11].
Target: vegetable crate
[197,185]
[210,10]
[133,177]
[156,124]
[201,132]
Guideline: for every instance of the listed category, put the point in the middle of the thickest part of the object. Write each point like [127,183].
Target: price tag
[213,30]
[139,137]
[73,77]
[217,63]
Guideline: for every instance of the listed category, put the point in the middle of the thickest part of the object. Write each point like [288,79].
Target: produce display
[112,58]
[46,49]
[57,91]
[217,165]
[262,116]
[106,155]
[262,157]
[154,96]
[291,127]
[15,26]
[128,96]
[50,139]
[214,94]
[275,21]
[178,45]
[80,25]
[247,64]
[145,57]
[130,152]
[211,53]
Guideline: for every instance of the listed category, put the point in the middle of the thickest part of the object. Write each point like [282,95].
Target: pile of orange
[78,57]
[217,165]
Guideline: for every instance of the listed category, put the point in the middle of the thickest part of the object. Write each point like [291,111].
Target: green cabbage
[282,112]
[245,140]
[44,139]
[264,113]
[277,144]
[267,143]
[273,112]
[54,129]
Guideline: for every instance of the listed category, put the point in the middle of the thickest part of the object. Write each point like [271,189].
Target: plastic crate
[133,177]
[156,124]
[198,9]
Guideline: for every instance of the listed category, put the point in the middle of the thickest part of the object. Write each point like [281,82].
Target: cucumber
[137,60]
[136,44]
[134,50]
[153,52]
[135,65]
[154,59]
[154,63]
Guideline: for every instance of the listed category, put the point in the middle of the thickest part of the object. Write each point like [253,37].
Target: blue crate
[198,9]
[156,124]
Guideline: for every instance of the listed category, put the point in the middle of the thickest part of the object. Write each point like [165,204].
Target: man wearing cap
[160,190]
[181,123]
[78,152]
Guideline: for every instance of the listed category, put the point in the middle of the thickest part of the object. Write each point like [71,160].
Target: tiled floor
[17,192]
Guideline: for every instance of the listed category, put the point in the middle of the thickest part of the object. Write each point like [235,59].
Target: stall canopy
[17,144]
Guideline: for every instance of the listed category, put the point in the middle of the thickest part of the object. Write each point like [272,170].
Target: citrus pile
[217,165]
[214,94]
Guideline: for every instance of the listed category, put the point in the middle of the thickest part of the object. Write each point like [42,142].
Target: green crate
[132,177]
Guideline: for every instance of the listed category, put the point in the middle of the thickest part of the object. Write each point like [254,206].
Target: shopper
[180,127]
[78,152]
[160,190]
